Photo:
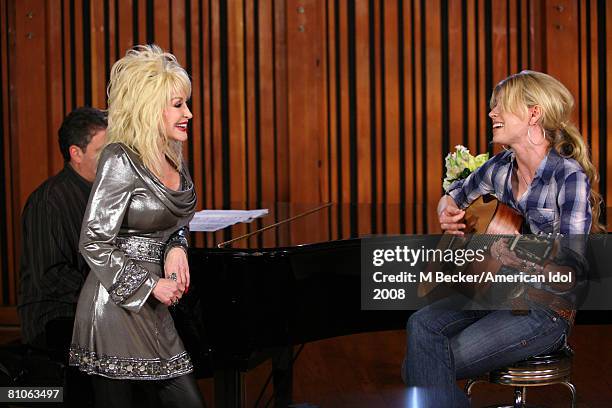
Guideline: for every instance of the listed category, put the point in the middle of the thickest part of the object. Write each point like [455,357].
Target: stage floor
[362,371]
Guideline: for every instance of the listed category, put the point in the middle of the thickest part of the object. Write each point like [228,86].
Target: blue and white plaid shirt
[557,200]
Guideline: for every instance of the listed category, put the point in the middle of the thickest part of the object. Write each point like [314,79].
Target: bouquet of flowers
[461,164]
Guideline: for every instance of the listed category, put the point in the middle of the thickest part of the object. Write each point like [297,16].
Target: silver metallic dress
[121,330]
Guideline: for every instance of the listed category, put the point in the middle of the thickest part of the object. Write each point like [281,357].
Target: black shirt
[52,271]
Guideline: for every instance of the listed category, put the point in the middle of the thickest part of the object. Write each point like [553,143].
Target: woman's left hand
[501,252]
[176,262]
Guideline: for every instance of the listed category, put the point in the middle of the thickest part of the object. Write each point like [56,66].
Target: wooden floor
[362,371]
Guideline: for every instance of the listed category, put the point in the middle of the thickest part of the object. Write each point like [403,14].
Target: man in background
[52,271]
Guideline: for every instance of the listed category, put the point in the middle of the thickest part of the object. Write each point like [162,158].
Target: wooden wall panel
[589,75]
[352,101]
[266,84]
[408,123]
[29,156]
[54,77]
[161,12]
[6,203]
[606,148]
[432,131]
[98,52]
[251,54]
[456,19]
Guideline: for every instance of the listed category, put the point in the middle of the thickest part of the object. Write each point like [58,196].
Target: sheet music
[214,220]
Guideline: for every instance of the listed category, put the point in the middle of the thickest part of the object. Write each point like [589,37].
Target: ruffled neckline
[180,202]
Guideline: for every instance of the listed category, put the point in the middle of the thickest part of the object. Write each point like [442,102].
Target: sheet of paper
[214,220]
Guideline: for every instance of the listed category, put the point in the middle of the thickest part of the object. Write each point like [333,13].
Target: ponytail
[568,143]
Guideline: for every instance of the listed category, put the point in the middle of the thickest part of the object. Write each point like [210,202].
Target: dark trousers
[179,392]
[54,342]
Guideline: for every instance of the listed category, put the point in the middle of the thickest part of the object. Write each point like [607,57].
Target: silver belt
[141,248]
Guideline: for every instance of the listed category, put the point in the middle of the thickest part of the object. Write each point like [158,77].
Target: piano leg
[282,377]
[229,390]
[229,384]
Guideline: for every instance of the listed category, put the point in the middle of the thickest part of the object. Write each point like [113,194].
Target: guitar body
[486,215]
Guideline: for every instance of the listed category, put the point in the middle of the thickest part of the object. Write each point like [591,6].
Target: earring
[529,136]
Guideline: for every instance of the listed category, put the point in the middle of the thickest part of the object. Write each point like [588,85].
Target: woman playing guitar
[545,175]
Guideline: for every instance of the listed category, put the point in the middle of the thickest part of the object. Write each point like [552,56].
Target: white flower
[461,164]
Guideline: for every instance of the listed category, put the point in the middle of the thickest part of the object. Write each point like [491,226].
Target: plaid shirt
[557,200]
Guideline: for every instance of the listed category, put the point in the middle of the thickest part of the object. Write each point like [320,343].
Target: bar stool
[552,368]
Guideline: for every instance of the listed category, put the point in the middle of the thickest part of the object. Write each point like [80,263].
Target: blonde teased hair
[142,84]
[521,91]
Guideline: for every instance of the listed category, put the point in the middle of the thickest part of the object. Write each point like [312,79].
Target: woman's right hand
[167,291]
[450,216]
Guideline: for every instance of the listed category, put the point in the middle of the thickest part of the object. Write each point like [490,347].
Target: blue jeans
[445,345]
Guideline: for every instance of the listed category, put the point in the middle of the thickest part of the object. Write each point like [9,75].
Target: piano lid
[292,224]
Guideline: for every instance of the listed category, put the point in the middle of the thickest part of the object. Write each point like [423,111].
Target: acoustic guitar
[488,220]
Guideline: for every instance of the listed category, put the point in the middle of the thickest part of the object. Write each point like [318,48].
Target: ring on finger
[173,276]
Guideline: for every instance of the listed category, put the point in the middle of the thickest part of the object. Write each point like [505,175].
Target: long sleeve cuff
[178,239]
[126,291]
[140,296]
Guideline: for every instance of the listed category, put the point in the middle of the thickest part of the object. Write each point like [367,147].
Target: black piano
[256,297]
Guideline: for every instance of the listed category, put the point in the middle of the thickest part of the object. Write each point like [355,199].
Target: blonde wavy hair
[142,84]
[521,91]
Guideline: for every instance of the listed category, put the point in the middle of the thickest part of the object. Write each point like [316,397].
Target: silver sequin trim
[130,279]
[142,249]
[129,368]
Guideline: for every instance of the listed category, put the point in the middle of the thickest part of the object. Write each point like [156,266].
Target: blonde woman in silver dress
[134,238]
